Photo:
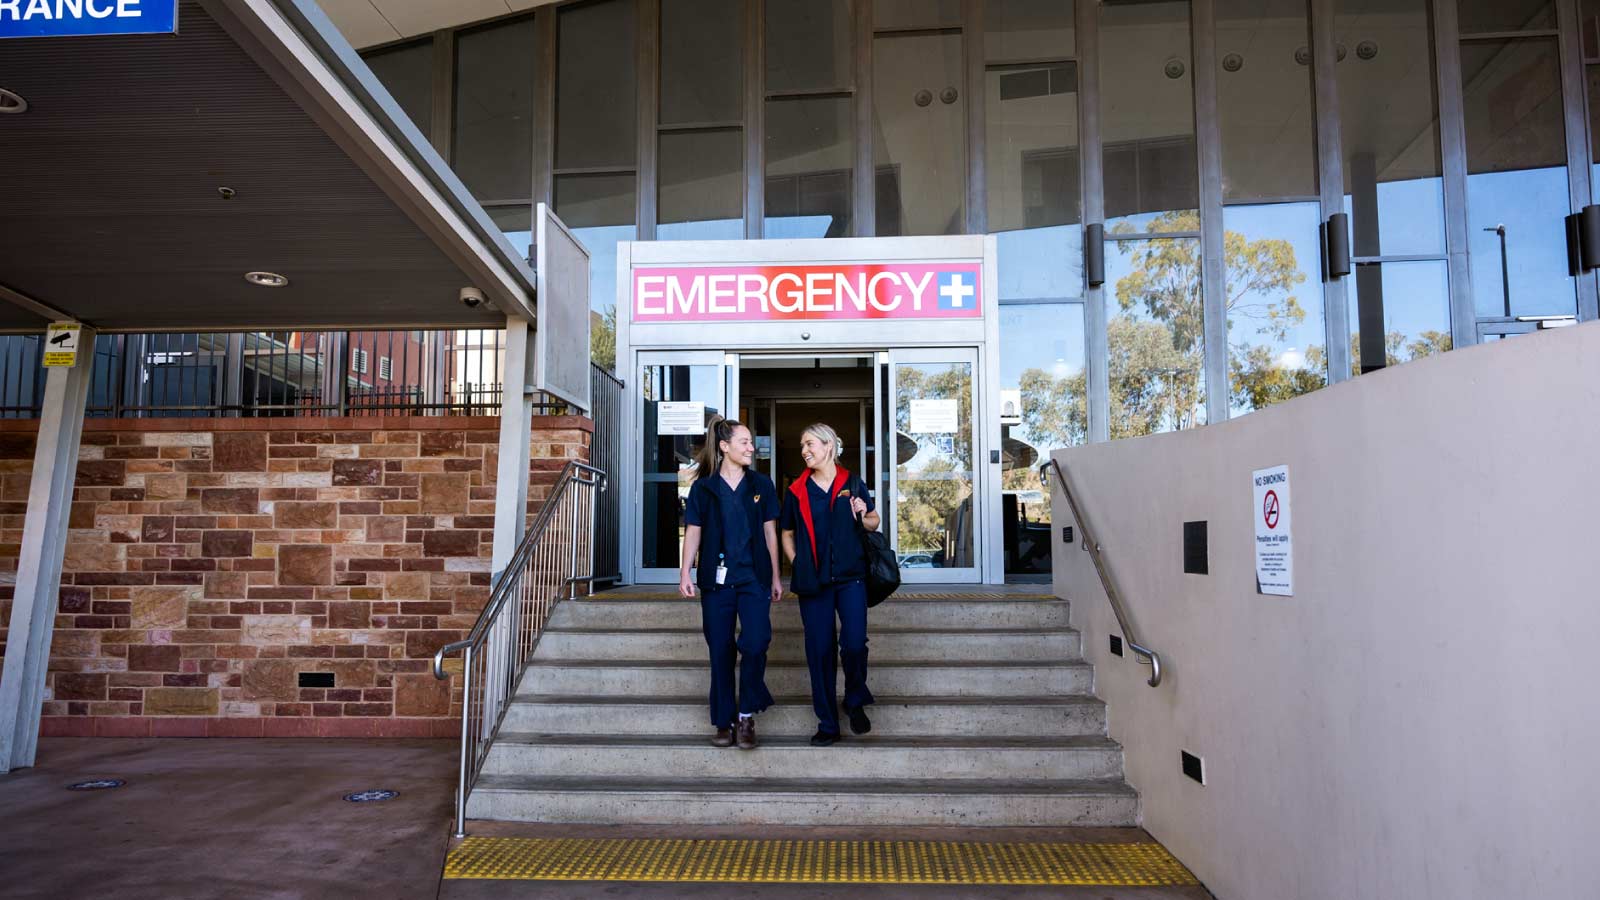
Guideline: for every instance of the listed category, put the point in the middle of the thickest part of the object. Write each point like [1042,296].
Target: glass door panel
[672,433]
[933,514]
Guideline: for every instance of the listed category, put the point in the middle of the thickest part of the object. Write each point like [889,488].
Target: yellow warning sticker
[61,345]
[1137,864]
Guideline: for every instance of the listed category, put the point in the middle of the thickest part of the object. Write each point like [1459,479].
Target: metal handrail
[1144,654]
[554,557]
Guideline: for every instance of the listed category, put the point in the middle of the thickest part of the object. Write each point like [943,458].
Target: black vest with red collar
[845,559]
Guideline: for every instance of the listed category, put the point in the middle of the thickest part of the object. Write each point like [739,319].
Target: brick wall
[211,562]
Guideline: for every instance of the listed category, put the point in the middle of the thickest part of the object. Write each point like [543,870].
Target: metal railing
[1144,654]
[605,451]
[555,556]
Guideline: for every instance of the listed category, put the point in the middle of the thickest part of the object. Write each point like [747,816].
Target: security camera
[471,297]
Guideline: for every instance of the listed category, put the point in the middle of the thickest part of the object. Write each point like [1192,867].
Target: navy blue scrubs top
[731,522]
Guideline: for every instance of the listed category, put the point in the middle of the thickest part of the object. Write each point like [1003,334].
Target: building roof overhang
[115,211]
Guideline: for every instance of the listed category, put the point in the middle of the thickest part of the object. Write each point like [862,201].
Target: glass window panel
[1042,359]
[702,70]
[1592,77]
[493,110]
[1277,338]
[1041,263]
[407,74]
[596,121]
[808,45]
[1517,192]
[1399,311]
[1478,16]
[915,13]
[1032,146]
[933,515]
[516,223]
[669,464]
[1264,102]
[810,157]
[1154,332]
[702,185]
[1389,119]
[921,142]
[1152,180]
[1028,30]
[599,209]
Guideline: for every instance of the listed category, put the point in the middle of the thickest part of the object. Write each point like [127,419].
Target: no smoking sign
[1269,509]
[1274,535]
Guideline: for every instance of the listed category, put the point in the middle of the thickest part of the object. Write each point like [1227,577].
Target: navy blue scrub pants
[847,603]
[751,606]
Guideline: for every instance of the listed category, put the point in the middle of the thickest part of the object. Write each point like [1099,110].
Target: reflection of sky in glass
[1297,224]
[1415,298]
[521,240]
[601,242]
[1041,263]
[1046,336]
[708,230]
[783,227]
[1410,218]
[1532,204]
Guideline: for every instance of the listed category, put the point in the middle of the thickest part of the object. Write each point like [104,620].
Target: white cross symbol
[957,290]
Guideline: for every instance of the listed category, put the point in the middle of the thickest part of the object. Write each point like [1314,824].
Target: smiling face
[740,448]
[816,450]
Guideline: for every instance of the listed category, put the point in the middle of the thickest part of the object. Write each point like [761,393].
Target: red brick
[154,658]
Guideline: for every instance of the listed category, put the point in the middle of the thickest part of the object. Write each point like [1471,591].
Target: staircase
[985,716]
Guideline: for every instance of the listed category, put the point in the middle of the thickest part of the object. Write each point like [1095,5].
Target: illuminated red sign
[807,292]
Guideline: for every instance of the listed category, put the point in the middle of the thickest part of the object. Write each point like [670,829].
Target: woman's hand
[777,590]
[685,585]
[858,506]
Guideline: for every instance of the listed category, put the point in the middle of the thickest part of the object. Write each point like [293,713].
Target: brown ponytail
[710,456]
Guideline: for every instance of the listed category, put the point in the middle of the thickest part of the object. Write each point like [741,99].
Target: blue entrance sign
[71,18]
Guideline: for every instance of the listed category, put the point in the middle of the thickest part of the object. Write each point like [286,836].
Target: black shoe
[859,723]
[824,738]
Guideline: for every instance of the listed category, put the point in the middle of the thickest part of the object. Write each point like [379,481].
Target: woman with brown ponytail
[731,517]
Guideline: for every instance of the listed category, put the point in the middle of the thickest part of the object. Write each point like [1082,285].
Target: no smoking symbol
[1269,509]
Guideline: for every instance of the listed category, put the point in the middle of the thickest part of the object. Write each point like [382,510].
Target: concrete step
[686,678]
[932,645]
[1052,716]
[623,614]
[691,756]
[766,801]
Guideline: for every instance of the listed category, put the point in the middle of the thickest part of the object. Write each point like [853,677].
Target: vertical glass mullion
[755,107]
[1453,145]
[1097,350]
[972,49]
[1575,100]
[648,29]
[1330,179]
[1208,144]
[865,203]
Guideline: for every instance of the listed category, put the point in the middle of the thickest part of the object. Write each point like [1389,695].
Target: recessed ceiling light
[12,102]
[266,279]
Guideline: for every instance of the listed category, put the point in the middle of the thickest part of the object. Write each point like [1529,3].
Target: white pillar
[516,423]
[44,540]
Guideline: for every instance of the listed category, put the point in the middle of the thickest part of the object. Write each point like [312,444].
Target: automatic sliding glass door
[679,393]
[933,502]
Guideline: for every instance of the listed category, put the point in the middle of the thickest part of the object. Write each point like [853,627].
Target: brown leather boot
[746,731]
[724,738]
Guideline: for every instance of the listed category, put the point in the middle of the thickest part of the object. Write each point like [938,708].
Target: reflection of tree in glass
[603,339]
[937,381]
[942,478]
[926,503]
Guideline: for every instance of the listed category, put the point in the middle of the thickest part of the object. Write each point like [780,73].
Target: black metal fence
[292,373]
[605,453]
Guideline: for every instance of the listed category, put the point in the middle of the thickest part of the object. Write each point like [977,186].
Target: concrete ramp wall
[1421,719]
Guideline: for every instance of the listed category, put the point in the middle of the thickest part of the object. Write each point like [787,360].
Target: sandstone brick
[442,443]
[422,644]
[156,530]
[226,585]
[306,515]
[444,493]
[239,451]
[91,556]
[224,544]
[81,515]
[102,473]
[406,586]
[242,501]
[421,695]
[178,439]
[154,657]
[17,445]
[181,701]
[162,606]
[357,472]
[349,614]
[305,564]
[69,643]
[166,487]
[80,686]
[271,679]
[259,630]
[385,528]
[450,543]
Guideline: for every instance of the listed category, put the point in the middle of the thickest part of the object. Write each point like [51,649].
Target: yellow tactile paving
[844,862]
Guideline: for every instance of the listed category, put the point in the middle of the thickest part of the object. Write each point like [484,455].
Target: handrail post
[466,742]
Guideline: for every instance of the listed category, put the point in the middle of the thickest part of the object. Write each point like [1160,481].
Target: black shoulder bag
[883,570]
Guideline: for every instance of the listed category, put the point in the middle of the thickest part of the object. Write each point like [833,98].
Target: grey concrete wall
[1420,720]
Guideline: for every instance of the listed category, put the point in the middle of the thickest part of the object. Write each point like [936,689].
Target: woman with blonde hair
[830,569]
[729,519]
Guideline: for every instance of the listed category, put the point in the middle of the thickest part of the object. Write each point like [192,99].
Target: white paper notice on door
[680,417]
[935,416]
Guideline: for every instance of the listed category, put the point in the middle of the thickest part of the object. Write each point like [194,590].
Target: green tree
[603,338]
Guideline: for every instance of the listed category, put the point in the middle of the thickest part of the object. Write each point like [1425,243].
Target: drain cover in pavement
[371,796]
[99,784]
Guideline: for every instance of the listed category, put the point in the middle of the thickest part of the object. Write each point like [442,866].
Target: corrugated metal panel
[112,209]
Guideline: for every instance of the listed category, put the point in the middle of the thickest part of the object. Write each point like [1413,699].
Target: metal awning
[115,214]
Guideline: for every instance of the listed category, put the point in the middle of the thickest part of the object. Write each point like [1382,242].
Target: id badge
[722,574]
